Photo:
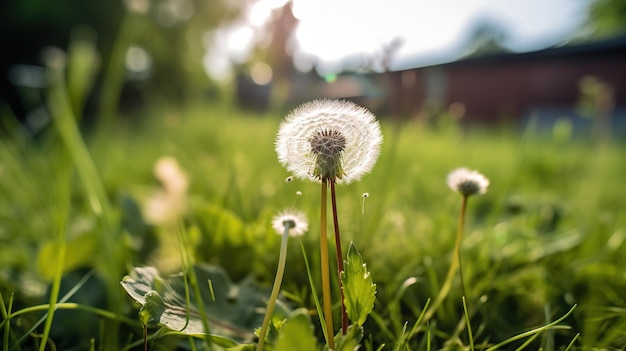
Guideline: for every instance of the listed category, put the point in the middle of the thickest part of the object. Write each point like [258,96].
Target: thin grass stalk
[470,335]
[454,265]
[6,312]
[569,346]
[344,314]
[324,262]
[316,300]
[113,79]
[193,281]
[55,288]
[109,260]
[532,332]
[63,208]
[280,271]
[76,306]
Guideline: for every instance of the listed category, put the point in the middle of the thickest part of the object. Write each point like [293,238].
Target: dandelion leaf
[233,313]
[296,333]
[349,341]
[358,289]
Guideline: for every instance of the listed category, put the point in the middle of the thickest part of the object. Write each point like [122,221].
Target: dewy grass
[503,248]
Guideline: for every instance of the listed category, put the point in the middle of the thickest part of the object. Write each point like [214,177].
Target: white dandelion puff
[291,220]
[467,182]
[329,139]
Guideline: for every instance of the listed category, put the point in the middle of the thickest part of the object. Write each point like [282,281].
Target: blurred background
[481,61]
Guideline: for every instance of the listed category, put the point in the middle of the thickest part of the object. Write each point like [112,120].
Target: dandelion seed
[467,182]
[291,220]
[331,139]
[289,179]
[298,194]
[365,196]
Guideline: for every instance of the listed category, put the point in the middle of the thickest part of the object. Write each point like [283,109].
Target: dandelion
[328,142]
[289,222]
[329,139]
[292,221]
[467,182]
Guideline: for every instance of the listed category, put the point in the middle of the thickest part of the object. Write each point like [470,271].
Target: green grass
[549,233]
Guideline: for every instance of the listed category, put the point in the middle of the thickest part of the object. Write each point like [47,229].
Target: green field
[547,236]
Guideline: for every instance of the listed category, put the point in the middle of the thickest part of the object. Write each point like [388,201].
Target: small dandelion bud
[329,139]
[467,182]
[298,193]
[293,221]
[366,195]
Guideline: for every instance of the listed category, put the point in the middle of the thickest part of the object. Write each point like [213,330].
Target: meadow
[546,238]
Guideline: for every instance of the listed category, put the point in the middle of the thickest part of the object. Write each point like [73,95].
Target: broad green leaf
[296,333]
[358,289]
[351,340]
[235,312]
[79,253]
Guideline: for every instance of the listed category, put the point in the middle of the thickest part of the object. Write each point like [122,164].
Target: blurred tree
[607,17]
[486,37]
[168,35]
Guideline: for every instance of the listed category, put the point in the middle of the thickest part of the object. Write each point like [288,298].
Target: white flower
[168,204]
[295,220]
[467,182]
[332,139]
[171,176]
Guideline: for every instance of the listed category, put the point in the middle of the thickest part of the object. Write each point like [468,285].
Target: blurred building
[502,87]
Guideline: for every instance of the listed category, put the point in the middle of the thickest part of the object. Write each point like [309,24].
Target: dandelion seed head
[467,182]
[366,195]
[298,193]
[330,139]
[294,221]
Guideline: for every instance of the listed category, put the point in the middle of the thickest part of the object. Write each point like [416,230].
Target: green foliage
[358,288]
[232,309]
[607,17]
[296,333]
[350,341]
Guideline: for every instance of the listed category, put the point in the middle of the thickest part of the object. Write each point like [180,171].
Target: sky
[333,33]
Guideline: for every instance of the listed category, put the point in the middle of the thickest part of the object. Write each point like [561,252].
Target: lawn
[80,209]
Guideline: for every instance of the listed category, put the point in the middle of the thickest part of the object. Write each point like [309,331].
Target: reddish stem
[344,314]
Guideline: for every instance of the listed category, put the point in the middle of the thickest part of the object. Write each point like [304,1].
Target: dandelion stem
[457,246]
[328,315]
[456,262]
[280,271]
[344,315]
